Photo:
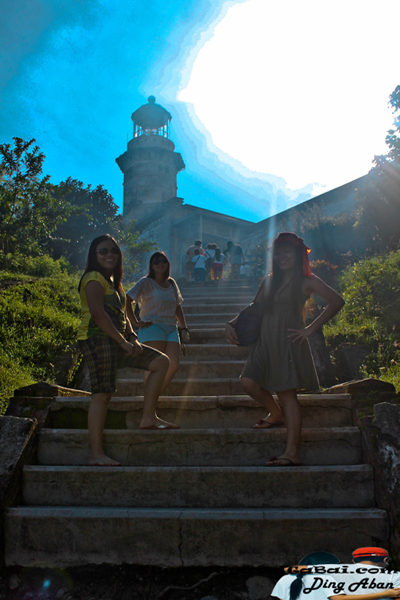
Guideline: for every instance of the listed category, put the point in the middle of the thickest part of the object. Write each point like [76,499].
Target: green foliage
[29,213]
[39,266]
[325,270]
[95,213]
[13,375]
[131,245]
[39,318]
[371,316]
[379,198]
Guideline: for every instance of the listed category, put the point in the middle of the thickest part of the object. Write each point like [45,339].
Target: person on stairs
[107,340]
[160,303]
[369,574]
[323,578]
[281,360]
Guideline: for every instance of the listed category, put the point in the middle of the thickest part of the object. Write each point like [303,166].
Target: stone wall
[17,446]
[381,447]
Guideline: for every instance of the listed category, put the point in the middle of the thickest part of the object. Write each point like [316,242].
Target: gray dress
[276,363]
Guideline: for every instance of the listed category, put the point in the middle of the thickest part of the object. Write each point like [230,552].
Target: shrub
[39,318]
[38,266]
[371,316]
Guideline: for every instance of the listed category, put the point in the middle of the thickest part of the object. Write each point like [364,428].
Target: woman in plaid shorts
[106,339]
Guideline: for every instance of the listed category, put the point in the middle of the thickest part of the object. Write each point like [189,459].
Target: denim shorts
[158,332]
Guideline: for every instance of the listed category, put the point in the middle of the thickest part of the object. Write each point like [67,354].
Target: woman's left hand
[185,335]
[299,335]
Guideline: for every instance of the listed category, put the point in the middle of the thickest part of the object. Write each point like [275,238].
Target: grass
[39,317]
[371,315]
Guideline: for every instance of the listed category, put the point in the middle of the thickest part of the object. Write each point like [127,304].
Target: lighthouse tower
[149,165]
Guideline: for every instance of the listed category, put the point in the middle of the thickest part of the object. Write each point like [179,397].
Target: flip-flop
[160,427]
[264,424]
[104,463]
[274,460]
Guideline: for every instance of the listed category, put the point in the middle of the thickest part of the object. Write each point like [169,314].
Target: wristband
[184,329]
[231,325]
[134,335]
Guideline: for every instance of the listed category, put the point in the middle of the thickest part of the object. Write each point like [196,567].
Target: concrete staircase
[199,495]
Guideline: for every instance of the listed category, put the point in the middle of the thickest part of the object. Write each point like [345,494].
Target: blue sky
[73,71]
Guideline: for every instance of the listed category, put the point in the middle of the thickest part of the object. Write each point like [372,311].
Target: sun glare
[298,89]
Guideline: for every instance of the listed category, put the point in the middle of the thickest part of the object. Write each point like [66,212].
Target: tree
[379,198]
[95,213]
[29,212]
[131,245]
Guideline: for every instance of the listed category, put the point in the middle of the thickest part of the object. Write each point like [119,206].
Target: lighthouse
[150,164]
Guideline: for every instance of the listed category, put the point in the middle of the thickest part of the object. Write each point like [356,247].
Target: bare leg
[96,420]
[161,346]
[158,370]
[265,398]
[291,408]
[173,351]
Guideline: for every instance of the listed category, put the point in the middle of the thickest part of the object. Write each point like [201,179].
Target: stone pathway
[200,495]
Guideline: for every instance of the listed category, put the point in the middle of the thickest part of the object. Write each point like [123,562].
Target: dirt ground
[130,582]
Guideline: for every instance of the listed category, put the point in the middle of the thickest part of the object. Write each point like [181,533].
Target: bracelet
[134,335]
[184,329]
[230,324]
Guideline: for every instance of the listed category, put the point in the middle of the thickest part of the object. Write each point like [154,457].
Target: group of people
[320,576]
[280,361]
[209,264]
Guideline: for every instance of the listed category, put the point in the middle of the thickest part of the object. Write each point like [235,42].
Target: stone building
[150,166]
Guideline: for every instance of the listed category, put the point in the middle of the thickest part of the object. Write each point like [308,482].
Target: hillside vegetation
[371,315]
[39,317]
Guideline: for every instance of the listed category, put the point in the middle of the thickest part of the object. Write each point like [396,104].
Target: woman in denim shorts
[106,339]
[159,300]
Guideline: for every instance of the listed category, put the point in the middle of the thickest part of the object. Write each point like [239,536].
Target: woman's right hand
[131,349]
[231,335]
[393,593]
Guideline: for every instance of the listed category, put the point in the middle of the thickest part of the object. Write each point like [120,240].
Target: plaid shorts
[103,356]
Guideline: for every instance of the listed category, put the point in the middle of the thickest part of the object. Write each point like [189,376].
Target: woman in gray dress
[280,361]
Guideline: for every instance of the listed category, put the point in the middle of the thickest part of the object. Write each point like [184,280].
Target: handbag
[248,324]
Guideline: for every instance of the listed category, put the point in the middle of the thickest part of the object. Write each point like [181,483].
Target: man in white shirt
[368,574]
[190,252]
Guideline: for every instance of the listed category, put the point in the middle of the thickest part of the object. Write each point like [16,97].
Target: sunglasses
[157,261]
[105,251]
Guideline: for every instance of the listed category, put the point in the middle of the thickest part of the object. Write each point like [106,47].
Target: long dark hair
[315,558]
[92,263]
[301,270]
[151,272]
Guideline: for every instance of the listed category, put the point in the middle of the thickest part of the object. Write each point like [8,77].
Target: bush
[371,316]
[38,266]
[39,318]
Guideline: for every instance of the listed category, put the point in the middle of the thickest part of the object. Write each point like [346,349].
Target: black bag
[248,324]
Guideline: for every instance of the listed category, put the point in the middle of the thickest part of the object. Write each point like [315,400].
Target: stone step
[196,307]
[220,319]
[210,412]
[197,448]
[200,487]
[200,336]
[209,326]
[70,536]
[214,352]
[200,291]
[205,369]
[183,387]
